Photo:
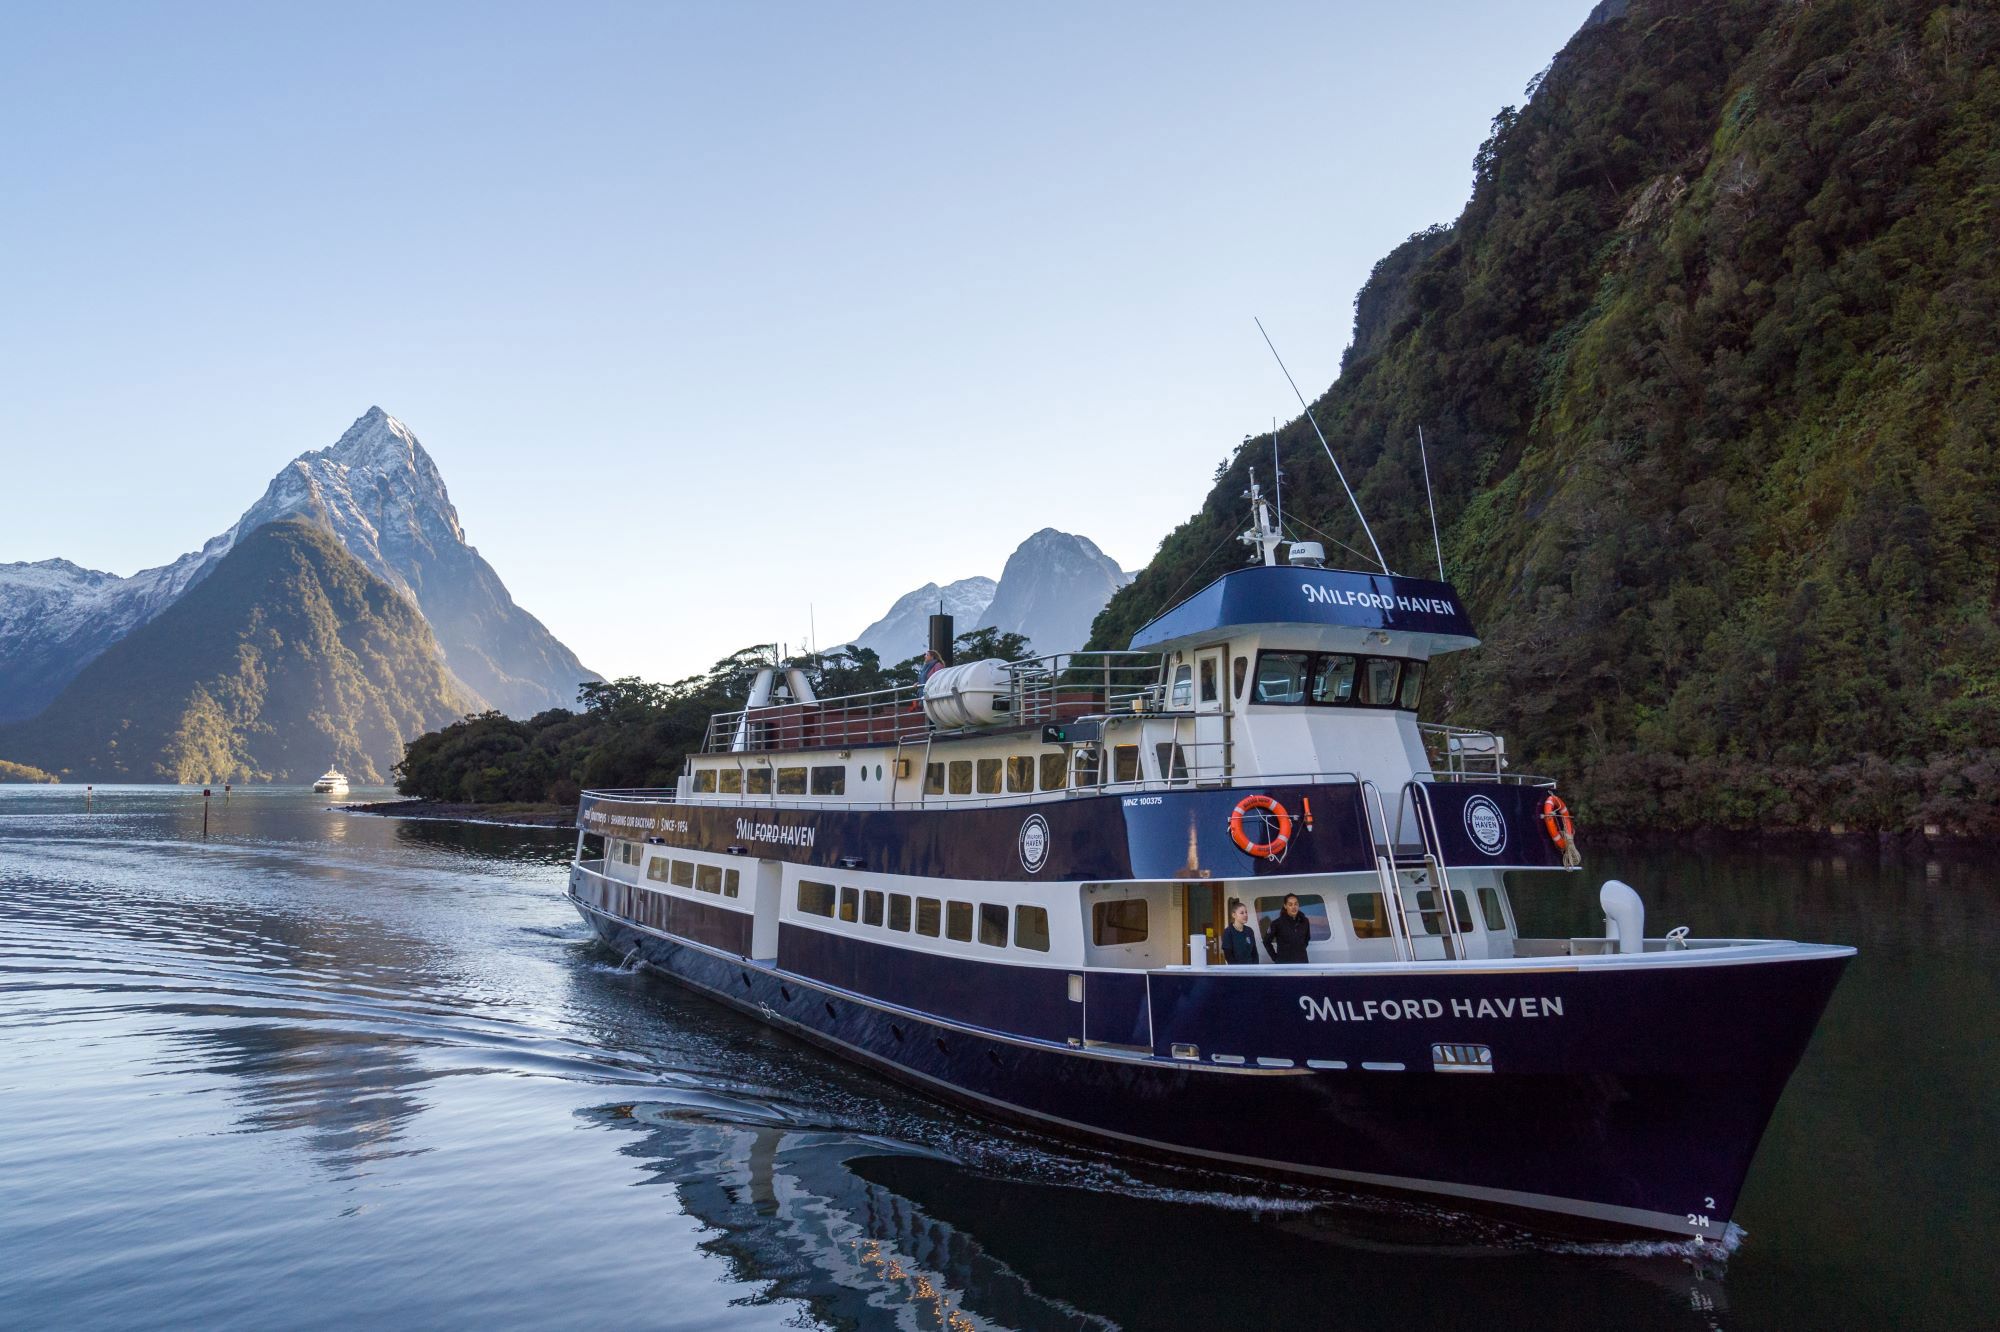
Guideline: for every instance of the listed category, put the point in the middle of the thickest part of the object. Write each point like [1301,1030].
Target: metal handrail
[1386,873]
[1418,793]
[667,795]
[1064,686]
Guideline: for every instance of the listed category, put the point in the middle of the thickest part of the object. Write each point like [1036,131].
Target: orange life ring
[1555,817]
[1262,850]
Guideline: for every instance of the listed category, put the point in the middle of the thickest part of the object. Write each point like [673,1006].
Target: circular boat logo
[1484,825]
[1034,843]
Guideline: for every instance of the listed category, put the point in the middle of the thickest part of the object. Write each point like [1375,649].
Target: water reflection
[459,1091]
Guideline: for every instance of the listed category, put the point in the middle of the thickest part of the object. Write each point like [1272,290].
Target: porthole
[878,772]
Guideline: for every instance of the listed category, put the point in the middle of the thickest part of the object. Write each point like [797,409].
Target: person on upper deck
[1288,933]
[1239,941]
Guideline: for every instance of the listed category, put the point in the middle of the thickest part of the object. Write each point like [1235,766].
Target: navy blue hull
[1597,1111]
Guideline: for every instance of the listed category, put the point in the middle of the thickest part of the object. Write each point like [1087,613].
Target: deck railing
[1042,690]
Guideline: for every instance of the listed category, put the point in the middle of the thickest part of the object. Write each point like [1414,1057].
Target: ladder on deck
[1393,859]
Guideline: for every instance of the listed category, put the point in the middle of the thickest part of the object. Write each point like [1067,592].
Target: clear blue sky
[709,312]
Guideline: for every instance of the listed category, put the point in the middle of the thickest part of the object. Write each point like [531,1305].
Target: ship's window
[928,913]
[729,781]
[1413,687]
[708,878]
[871,907]
[1172,760]
[1055,771]
[993,924]
[1125,763]
[850,904]
[683,874]
[791,781]
[1242,670]
[958,921]
[1021,772]
[1311,905]
[1433,918]
[1031,928]
[989,776]
[757,781]
[899,912]
[1333,678]
[878,772]
[1281,677]
[934,779]
[1370,917]
[1086,765]
[1489,907]
[704,780]
[1381,674]
[656,869]
[829,780]
[731,882]
[961,776]
[815,899]
[1182,696]
[1208,679]
[1121,922]
[628,853]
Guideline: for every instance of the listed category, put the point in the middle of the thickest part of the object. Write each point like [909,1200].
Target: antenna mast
[1369,532]
[1277,475]
[1430,503]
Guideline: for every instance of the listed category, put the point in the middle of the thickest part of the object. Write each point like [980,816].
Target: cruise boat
[1008,886]
[332,782]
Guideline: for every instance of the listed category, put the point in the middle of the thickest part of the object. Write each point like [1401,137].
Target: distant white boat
[332,781]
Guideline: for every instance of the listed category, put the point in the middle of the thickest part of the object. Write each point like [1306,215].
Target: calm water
[321,1068]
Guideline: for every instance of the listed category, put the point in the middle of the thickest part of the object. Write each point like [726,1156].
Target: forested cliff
[1709,368]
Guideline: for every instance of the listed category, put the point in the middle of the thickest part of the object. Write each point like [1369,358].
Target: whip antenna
[1430,503]
[1328,447]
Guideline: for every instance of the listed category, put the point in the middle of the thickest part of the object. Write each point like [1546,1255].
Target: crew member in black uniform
[1289,932]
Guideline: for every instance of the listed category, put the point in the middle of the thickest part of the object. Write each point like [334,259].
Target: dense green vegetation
[632,733]
[21,772]
[1709,368]
[287,657]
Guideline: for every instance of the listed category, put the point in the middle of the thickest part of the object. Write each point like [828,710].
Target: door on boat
[1208,760]
[1201,916]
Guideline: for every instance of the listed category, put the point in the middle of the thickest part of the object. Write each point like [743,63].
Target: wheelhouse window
[1031,928]
[704,781]
[830,779]
[1021,772]
[1182,697]
[1281,677]
[1055,771]
[1338,679]
[815,899]
[993,924]
[958,921]
[791,781]
[1208,685]
[1120,922]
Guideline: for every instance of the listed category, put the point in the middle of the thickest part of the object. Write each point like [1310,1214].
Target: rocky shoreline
[514,815]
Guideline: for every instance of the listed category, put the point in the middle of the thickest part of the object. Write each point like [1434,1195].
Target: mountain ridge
[375,488]
[289,655]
